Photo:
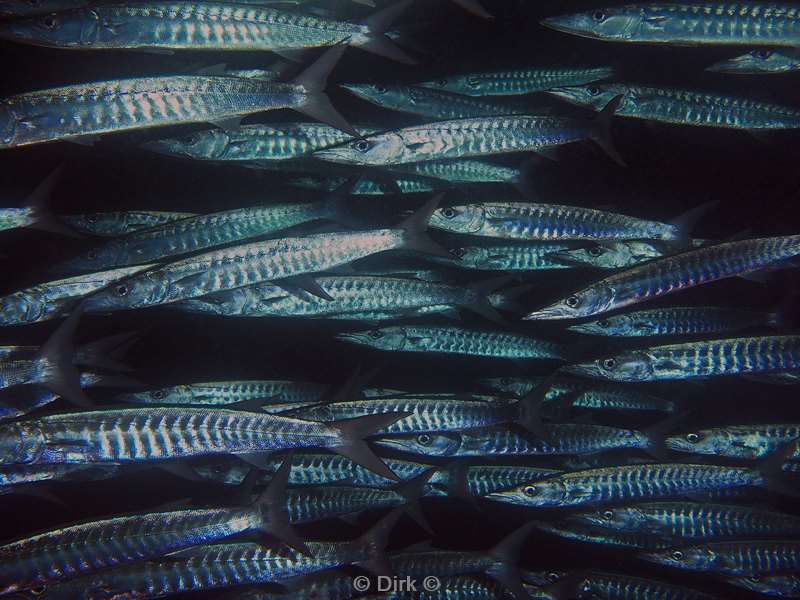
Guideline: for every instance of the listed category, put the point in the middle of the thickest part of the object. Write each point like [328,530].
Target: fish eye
[448,213]
[693,438]
[381,89]
[754,579]
[38,591]
[158,394]
[92,218]
[457,252]
[599,16]
[441,82]
[424,439]
[677,555]
[376,334]
[572,301]
[529,490]
[596,251]
[362,145]
[608,514]
[609,364]
[193,139]
[91,254]
[505,381]
[50,22]
[604,323]
[122,290]
[762,54]
[553,577]
[593,91]
[473,82]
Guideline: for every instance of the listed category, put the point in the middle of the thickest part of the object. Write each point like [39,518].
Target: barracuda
[748,442]
[615,586]
[732,558]
[20,479]
[87,547]
[692,360]
[600,537]
[85,110]
[465,480]
[688,23]
[225,565]
[694,520]
[689,320]
[249,264]
[218,26]
[456,340]
[670,274]
[547,222]
[566,438]
[463,171]
[517,81]
[617,255]
[776,586]
[154,434]
[282,141]
[474,137]
[369,186]
[761,61]
[629,482]
[513,256]
[56,299]
[114,224]
[683,107]
[426,102]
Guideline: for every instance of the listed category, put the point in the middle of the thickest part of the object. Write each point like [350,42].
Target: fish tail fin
[412,490]
[338,205]
[507,553]
[479,298]
[475,8]
[523,182]
[377,25]
[416,228]
[352,444]
[106,352]
[376,539]
[271,505]
[602,130]
[64,378]
[656,435]
[314,79]
[771,469]
[507,300]
[529,408]
[458,483]
[38,201]
[686,222]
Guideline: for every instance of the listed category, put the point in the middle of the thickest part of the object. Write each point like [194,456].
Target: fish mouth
[332,155]
[580,328]
[562,24]
[552,312]
[583,369]
[653,557]
[564,258]
[502,496]
[348,337]
[678,445]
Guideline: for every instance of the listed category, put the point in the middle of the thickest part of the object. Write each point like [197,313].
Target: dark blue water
[670,169]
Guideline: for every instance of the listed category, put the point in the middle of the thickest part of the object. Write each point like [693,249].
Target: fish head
[479,258]
[621,24]
[200,145]
[542,493]
[80,28]
[779,586]
[608,255]
[707,441]
[632,365]
[763,60]
[594,95]
[381,149]
[20,443]
[425,444]
[136,292]
[96,259]
[170,395]
[232,473]
[458,84]
[380,93]
[387,338]
[468,218]
[595,299]
[627,518]
[696,558]
[616,325]
[517,386]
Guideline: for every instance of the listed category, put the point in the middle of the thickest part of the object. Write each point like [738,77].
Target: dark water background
[670,170]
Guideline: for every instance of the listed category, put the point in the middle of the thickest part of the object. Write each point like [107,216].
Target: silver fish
[114,224]
[751,557]
[369,186]
[746,442]
[617,586]
[463,171]
[617,254]
[602,537]
[756,62]
[511,256]
[775,586]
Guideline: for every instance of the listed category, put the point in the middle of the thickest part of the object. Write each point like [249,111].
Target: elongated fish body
[515,82]
[608,485]
[773,586]
[694,520]
[313,469]
[281,141]
[615,586]
[195,234]
[678,320]
[179,25]
[693,360]
[23,8]
[86,547]
[670,274]
[426,414]
[513,256]
[465,588]
[13,218]
[441,563]
[546,222]
[55,299]
[367,186]
[210,567]
[154,433]
[616,254]
[459,138]
[115,224]
[455,340]
[683,107]
[309,504]
[688,24]
[751,557]
[333,585]
[125,104]
[463,171]
[243,265]
[426,102]
[600,537]
[220,393]
[761,61]
[562,439]
[484,479]
[13,478]
[748,442]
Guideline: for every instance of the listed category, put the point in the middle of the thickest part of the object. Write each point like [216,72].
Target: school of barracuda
[584,446]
